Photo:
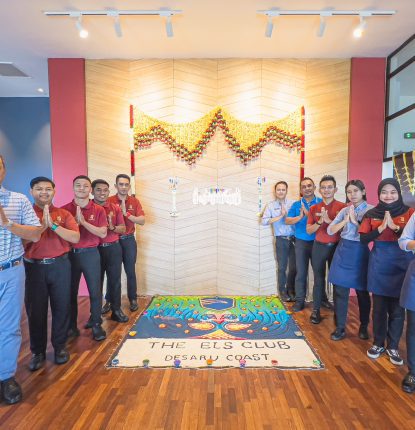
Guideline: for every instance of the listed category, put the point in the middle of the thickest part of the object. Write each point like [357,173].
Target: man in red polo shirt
[48,274]
[319,218]
[84,257]
[110,248]
[133,214]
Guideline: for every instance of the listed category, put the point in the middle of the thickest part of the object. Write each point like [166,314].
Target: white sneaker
[394,357]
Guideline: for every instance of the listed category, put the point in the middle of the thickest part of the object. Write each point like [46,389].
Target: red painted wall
[67,127]
[367,118]
[68,124]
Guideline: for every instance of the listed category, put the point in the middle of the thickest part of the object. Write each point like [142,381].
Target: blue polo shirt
[300,228]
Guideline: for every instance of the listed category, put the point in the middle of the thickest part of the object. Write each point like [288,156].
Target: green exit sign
[409,135]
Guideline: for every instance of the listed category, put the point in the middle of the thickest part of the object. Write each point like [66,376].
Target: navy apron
[387,268]
[407,300]
[348,268]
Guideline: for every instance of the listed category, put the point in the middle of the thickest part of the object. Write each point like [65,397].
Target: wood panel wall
[213,249]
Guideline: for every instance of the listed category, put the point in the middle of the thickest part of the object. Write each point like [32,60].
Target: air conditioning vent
[9,70]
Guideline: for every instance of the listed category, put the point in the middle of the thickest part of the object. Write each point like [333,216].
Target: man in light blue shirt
[17,221]
[275,214]
[297,218]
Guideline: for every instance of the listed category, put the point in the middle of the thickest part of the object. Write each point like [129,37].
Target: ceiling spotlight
[169,26]
[323,23]
[40,90]
[270,27]
[117,24]
[358,31]
[82,32]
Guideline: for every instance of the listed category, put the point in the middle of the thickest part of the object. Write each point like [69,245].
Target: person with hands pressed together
[85,258]
[387,267]
[275,214]
[110,249]
[319,218]
[133,214]
[348,268]
[297,217]
[17,221]
[48,274]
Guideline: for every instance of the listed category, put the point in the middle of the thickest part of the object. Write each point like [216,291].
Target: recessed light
[40,90]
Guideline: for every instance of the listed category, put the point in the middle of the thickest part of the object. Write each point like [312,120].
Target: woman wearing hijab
[407,301]
[349,266]
[387,267]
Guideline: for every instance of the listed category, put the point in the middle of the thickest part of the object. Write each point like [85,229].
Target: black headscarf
[395,209]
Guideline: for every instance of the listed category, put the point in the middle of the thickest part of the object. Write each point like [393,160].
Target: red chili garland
[271,135]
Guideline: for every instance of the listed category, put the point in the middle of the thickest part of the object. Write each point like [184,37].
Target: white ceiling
[206,29]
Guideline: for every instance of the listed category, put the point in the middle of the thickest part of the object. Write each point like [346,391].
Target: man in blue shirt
[297,217]
[17,221]
[275,214]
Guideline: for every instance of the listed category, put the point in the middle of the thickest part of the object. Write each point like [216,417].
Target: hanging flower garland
[245,139]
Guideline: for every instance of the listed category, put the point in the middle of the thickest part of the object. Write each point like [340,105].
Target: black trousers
[303,250]
[341,305]
[46,282]
[321,257]
[285,251]
[129,258]
[87,264]
[111,260]
[388,321]
[410,340]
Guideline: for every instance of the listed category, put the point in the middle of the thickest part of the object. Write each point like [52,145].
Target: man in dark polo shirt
[110,248]
[48,275]
[133,214]
[84,257]
[319,218]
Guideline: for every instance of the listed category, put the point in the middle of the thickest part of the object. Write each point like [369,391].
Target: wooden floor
[353,392]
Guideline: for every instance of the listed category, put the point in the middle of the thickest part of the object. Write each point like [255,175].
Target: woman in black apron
[349,266]
[407,301]
[387,267]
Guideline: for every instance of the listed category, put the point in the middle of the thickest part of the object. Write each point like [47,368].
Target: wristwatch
[9,223]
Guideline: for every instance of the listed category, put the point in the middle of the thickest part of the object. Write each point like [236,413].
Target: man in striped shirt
[17,221]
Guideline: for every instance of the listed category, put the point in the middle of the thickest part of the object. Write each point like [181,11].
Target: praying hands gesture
[3,217]
[79,217]
[47,221]
[388,222]
[111,226]
[352,216]
[123,207]
[303,210]
[325,216]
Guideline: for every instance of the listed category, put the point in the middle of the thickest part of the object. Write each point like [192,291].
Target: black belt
[104,245]
[126,236]
[46,260]
[326,244]
[286,237]
[10,264]
[80,250]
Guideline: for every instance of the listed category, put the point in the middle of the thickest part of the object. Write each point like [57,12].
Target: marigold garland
[245,139]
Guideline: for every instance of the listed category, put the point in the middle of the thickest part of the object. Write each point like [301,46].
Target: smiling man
[17,221]
[133,214]
[48,274]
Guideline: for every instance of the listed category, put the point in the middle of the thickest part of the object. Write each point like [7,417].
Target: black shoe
[338,334]
[106,308]
[37,361]
[363,333]
[98,333]
[88,324]
[315,317]
[73,332]
[326,304]
[133,305]
[11,391]
[299,306]
[284,297]
[408,383]
[61,356]
[119,316]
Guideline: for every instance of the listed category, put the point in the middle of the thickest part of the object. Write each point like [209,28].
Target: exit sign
[409,135]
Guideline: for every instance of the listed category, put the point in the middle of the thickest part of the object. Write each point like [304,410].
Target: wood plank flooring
[353,392]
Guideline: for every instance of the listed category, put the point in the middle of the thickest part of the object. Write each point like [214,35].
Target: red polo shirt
[113,211]
[314,216]
[133,207]
[50,244]
[387,235]
[95,215]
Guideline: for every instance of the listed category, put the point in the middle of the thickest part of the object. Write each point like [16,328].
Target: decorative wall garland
[245,139]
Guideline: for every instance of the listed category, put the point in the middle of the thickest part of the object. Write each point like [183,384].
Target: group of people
[44,251]
[335,235]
